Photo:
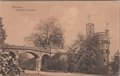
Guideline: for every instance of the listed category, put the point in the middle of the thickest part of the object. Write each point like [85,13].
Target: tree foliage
[59,62]
[115,64]
[74,52]
[48,34]
[2,32]
[86,57]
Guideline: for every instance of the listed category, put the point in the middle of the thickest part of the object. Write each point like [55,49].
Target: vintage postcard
[59,38]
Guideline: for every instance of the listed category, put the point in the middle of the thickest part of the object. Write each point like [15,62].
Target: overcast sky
[20,18]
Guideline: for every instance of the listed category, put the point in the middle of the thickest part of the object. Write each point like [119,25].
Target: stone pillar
[17,60]
[38,64]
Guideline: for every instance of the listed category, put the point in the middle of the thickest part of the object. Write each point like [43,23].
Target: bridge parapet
[37,49]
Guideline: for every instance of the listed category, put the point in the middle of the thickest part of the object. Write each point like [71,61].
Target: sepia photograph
[59,38]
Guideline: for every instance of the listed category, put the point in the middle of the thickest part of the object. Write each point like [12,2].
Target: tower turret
[89,28]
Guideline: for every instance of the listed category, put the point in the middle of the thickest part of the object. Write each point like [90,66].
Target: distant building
[103,38]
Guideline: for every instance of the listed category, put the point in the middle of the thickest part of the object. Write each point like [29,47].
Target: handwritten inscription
[20,8]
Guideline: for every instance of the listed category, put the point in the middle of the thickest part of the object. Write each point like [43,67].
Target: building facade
[103,40]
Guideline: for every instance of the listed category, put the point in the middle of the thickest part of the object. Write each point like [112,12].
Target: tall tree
[48,34]
[91,60]
[74,51]
[88,59]
[2,32]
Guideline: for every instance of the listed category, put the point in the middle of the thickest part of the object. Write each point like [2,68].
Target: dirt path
[34,73]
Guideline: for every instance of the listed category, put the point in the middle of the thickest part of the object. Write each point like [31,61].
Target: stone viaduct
[38,53]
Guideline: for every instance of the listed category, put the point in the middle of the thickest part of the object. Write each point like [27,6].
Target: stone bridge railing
[15,47]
